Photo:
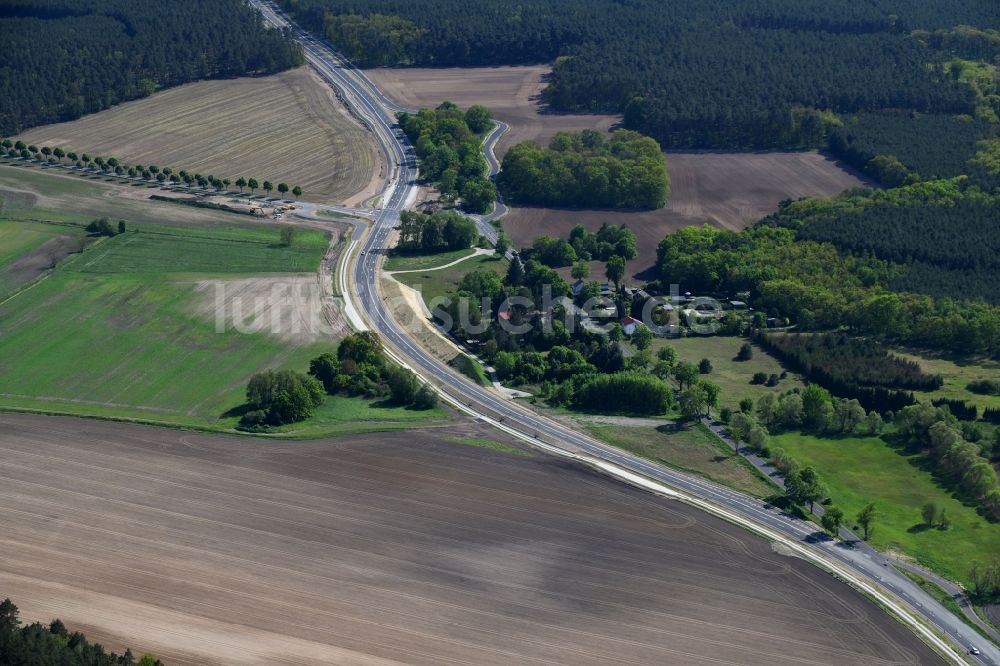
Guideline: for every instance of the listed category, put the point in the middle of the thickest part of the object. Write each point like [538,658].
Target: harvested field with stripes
[288,127]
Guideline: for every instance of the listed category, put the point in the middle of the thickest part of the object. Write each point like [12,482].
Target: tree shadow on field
[919,527]
[239,410]
[389,403]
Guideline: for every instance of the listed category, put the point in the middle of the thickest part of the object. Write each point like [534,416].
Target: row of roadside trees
[112,165]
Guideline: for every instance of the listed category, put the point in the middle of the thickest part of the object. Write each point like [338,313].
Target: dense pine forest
[60,59]
[854,368]
[53,645]
[926,145]
[689,73]
[950,244]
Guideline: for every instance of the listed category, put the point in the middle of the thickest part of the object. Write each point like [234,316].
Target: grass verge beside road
[490,444]
[417,262]
[691,449]
[944,599]
[471,369]
[340,415]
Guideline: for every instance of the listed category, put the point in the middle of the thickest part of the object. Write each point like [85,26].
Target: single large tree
[282,188]
[615,270]
[268,186]
[685,374]
[693,402]
[832,519]
[929,512]
[252,184]
[241,182]
[866,519]
[804,487]
[502,244]
[712,392]
[642,338]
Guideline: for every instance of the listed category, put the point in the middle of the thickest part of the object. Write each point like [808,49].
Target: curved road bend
[868,570]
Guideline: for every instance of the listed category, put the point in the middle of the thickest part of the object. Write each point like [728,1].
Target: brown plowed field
[725,189]
[391,549]
[730,190]
[285,128]
[512,93]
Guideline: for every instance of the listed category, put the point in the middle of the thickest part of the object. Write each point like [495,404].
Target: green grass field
[433,284]
[220,250]
[112,333]
[691,449]
[419,262]
[39,245]
[32,193]
[733,377]
[491,445]
[957,373]
[865,469]
[19,238]
[340,415]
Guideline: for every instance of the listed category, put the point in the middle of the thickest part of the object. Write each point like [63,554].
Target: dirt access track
[401,548]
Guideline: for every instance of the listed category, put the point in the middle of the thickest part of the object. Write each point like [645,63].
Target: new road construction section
[898,594]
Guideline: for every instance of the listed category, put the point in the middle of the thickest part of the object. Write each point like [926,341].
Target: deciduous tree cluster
[435,232]
[587,170]
[448,142]
[360,368]
[959,463]
[817,285]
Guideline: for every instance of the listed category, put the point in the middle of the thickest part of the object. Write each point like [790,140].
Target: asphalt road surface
[357,92]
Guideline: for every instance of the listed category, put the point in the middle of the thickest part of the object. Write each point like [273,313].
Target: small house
[629,324]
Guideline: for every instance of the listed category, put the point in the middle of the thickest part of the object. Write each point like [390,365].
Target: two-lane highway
[870,573]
